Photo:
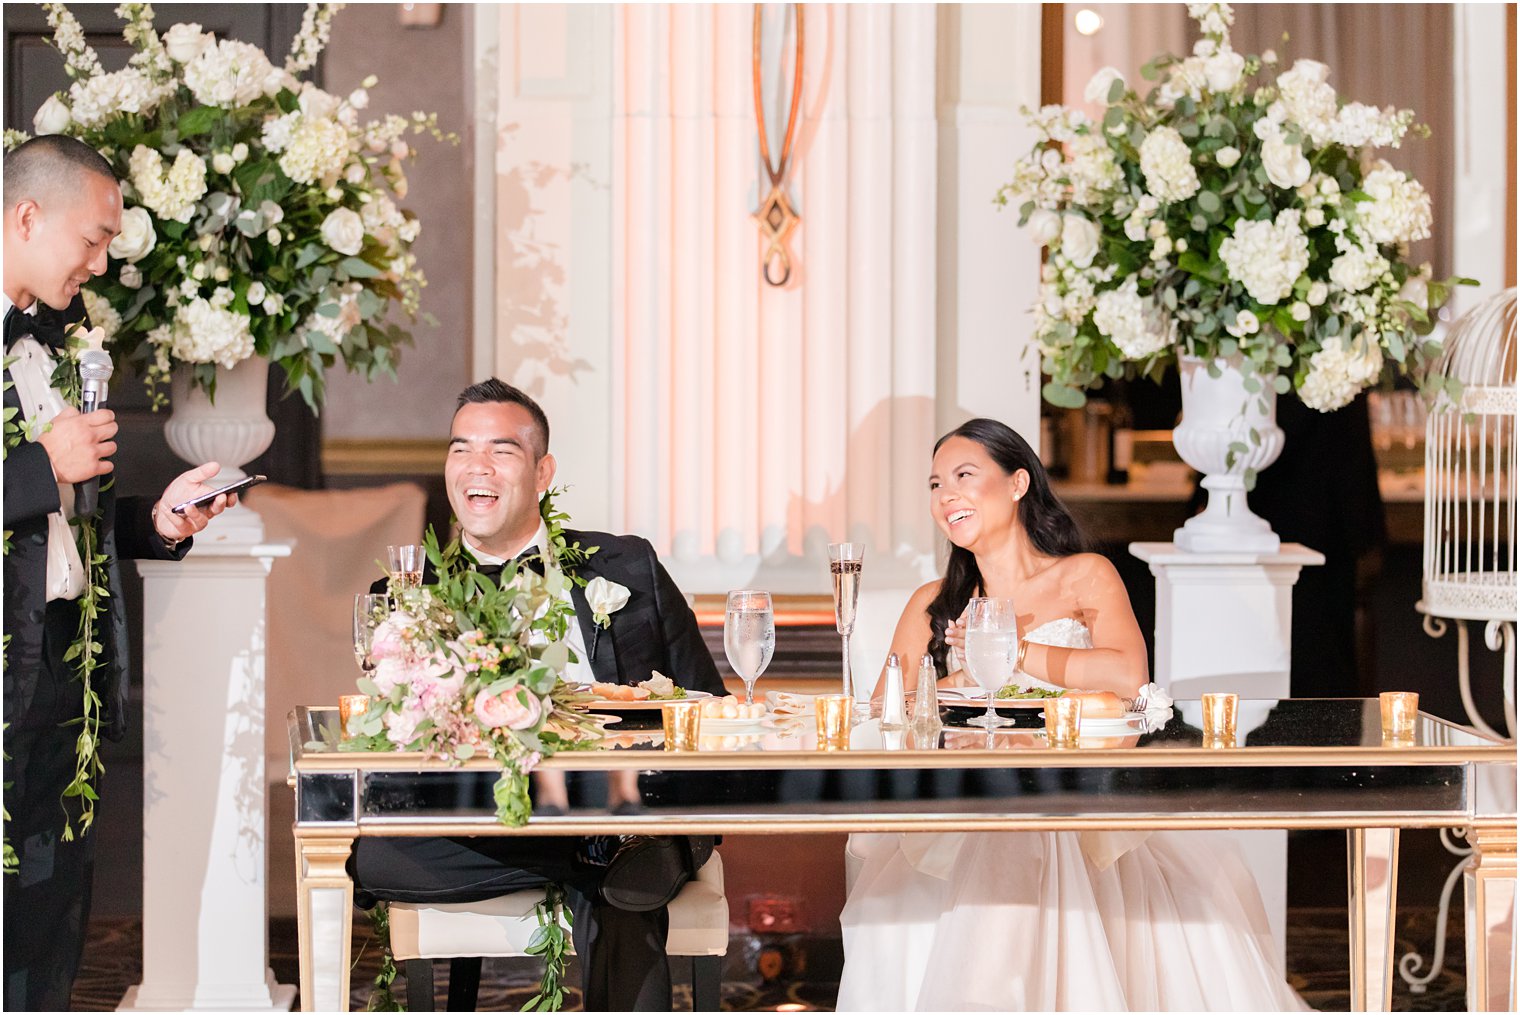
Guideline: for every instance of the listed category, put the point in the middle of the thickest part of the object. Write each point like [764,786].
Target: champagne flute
[749,636]
[406,563]
[369,611]
[992,638]
[845,561]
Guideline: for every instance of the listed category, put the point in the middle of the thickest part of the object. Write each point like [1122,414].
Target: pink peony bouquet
[466,668]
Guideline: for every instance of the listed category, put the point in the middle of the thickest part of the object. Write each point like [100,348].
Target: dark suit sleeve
[31,491]
[688,654]
[137,539]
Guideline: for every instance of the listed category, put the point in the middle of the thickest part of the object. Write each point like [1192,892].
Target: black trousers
[47,900]
[622,954]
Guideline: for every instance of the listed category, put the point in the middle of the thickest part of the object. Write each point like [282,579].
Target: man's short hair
[493,390]
[43,164]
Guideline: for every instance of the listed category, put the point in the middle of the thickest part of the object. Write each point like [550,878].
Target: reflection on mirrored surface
[1262,723]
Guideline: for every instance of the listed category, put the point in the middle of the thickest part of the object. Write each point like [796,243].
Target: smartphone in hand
[207,498]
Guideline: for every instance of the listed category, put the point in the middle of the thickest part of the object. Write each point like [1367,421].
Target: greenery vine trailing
[499,619]
[86,650]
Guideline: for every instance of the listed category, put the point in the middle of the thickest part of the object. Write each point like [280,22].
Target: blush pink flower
[515,709]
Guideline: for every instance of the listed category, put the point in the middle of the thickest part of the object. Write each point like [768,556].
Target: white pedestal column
[205,921]
[1224,622]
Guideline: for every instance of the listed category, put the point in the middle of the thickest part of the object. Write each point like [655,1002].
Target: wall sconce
[1087,21]
[420,15]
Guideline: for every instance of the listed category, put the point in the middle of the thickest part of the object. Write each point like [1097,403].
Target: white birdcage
[1471,468]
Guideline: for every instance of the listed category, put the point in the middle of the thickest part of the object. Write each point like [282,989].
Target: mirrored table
[1295,763]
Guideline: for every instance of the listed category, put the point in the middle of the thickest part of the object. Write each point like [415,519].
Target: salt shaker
[894,713]
[926,702]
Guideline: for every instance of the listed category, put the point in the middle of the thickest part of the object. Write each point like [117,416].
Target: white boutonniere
[605,598]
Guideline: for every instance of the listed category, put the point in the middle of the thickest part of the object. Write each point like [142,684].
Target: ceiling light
[1088,21]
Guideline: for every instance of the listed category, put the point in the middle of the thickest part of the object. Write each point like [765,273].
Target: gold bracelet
[1018,662]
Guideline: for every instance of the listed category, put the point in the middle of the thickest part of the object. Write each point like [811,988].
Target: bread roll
[1099,704]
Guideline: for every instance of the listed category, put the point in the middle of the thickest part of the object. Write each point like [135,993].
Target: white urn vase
[231,430]
[1217,412]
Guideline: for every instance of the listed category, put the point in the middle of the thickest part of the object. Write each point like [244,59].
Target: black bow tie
[528,558]
[19,324]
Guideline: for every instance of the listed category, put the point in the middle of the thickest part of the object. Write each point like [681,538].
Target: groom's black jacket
[655,629]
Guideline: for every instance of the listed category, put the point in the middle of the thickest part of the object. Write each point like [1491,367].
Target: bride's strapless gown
[1057,921]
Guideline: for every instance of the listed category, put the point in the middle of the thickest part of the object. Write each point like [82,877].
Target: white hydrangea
[99,98]
[1167,163]
[1267,257]
[202,332]
[1091,169]
[1338,373]
[1131,321]
[1213,19]
[317,150]
[345,320]
[1137,225]
[1399,211]
[1308,100]
[1357,267]
[229,74]
[102,314]
[170,196]
[1359,124]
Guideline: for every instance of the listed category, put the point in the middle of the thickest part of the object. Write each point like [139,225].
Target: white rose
[131,276]
[222,273]
[1417,291]
[1098,88]
[256,294]
[52,117]
[1314,217]
[185,42]
[1285,163]
[136,239]
[605,598]
[1246,323]
[1044,226]
[1300,311]
[273,304]
[1079,240]
[239,152]
[343,231]
[223,162]
[1227,156]
[1223,70]
[1317,294]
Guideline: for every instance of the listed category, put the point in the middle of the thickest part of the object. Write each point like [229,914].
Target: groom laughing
[631,619]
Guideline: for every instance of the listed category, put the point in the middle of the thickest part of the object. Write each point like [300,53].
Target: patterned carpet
[808,967]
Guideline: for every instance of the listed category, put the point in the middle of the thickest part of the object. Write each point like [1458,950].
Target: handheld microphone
[94,374]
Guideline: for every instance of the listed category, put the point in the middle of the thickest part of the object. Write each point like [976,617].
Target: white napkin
[1155,704]
[789,703]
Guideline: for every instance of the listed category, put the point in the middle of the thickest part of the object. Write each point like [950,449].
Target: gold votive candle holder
[1399,708]
[1063,721]
[350,705]
[683,725]
[1219,711]
[834,713]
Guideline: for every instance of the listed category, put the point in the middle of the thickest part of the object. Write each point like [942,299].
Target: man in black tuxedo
[498,467]
[62,209]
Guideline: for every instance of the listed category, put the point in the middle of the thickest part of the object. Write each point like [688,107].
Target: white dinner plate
[1130,722]
[600,704]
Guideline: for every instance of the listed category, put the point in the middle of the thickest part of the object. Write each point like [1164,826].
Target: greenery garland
[551,939]
[86,650]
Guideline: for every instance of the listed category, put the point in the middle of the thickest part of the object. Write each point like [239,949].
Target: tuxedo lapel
[601,646]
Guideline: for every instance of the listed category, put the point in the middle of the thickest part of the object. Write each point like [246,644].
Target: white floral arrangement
[1223,216]
[260,211]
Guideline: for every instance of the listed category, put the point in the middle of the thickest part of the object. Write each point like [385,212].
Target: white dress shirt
[578,670]
[32,373]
